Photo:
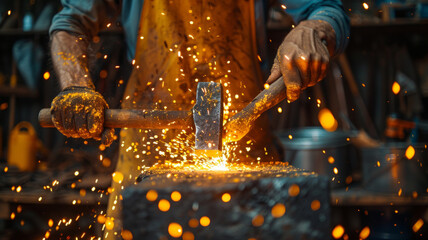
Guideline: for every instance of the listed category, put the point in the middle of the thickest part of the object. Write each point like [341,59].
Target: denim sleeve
[85,17]
[330,11]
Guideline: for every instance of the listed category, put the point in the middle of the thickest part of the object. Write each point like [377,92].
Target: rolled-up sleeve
[330,11]
[85,17]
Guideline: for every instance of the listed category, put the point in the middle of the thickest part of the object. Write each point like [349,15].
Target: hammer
[206,117]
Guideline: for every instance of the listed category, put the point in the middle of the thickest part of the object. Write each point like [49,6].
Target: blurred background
[365,126]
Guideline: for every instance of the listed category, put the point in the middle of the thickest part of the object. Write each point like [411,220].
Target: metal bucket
[320,151]
[386,169]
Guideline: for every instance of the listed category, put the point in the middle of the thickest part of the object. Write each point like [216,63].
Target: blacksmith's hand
[78,112]
[303,56]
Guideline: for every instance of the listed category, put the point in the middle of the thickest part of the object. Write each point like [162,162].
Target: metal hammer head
[208,118]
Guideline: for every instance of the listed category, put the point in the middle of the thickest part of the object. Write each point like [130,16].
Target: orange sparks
[365,233]
[410,152]
[46,75]
[327,120]
[152,195]
[418,224]
[175,230]
[205,221]
[258,221]
[117,177]
[315,205]
[176,196]
[294,190]
[396,88]
[266,86]
[278,210]
[338,232]
[164,205]
[365,6]
[226,197]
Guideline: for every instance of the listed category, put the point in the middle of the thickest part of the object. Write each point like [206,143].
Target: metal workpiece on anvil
[267,201]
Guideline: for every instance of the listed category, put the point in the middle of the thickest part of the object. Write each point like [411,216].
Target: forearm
[69,57]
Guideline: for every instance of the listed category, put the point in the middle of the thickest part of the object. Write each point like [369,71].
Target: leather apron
[182,43]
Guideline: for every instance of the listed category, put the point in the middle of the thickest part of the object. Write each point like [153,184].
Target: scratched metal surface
[254,191]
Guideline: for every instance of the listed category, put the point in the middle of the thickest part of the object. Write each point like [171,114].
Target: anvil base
[250,213]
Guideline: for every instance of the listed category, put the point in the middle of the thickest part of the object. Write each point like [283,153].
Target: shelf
[362,197]
[22,92]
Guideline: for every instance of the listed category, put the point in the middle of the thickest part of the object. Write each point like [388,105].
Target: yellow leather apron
[182,43]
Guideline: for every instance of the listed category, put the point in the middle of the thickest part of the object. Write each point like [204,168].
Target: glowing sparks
[205,221]
[315,205]
[258,220]
[152,195]
[164,205]
[278,210]
[46,75]
[330,160]
[396,88]
[418,225]
[226,197]
[365,233]
[294,190]
[176,196]
[117,177]
[410,152]
[283,6]
[279,110]
[365,6]
[327,120]
[338,232]
[175,230]
[266,86]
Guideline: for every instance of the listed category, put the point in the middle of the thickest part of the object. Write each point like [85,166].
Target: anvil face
[208,117]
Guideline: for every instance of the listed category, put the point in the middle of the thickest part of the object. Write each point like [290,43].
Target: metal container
[320,151]
[386,169]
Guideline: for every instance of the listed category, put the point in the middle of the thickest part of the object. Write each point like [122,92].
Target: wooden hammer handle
[263,101]
[131,118]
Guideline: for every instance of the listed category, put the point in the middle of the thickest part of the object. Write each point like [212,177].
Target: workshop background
[370,111]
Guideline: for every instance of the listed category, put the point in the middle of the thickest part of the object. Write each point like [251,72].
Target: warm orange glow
[193,223]
[50,223]
[396,88]
[126,235]
[331,160]
[294,190]
[205,221]
[226,197]
[101,219]
[266,86]
[410,152]
[418,224]
[338,232]
[176,196]
[278,210]
[12,216]
[279,110]
[258,221]
[46,75]
[327,120]
[175,230]
[188,236]
[315,205]
[18,189]
[109,223]
[164,205]
[365,6]
[117,177]
[152,195]
[365,233]
[335,170]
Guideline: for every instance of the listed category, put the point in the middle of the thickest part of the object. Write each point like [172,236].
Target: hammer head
[208,118]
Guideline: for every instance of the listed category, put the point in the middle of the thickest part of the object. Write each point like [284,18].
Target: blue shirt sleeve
[330,11]
[85,17]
